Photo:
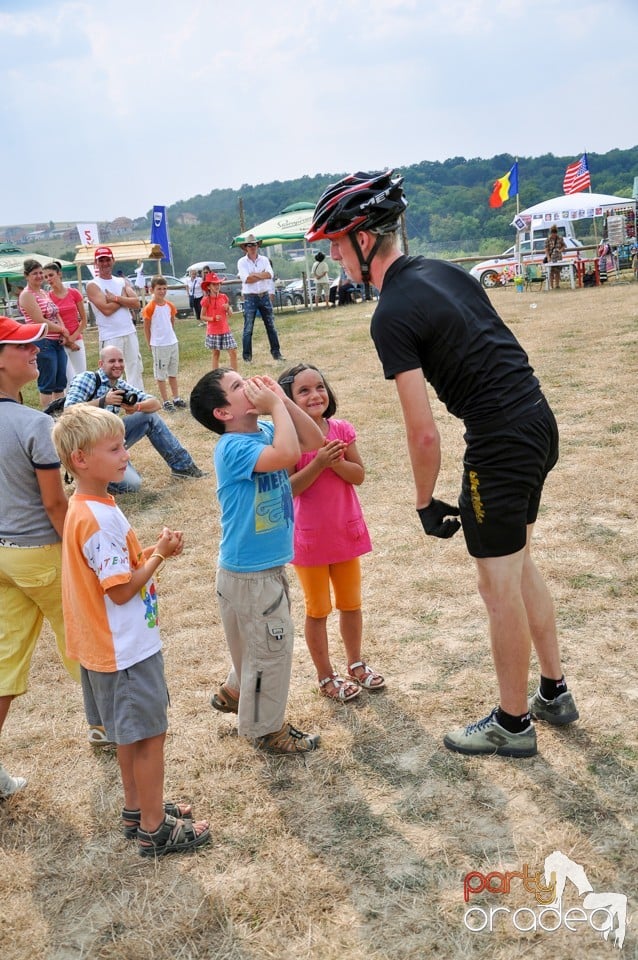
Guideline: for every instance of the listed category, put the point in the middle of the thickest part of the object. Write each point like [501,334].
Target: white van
[501,270]
[216,266]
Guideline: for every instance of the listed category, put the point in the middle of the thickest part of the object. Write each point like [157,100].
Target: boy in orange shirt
[110,609]
[159,329]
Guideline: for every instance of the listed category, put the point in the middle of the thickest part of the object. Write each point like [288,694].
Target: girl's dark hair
[287,379]
[320,256]
[31,265]
[206,396]
[54,265]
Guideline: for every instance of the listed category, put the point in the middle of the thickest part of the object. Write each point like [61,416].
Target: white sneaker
[9,784]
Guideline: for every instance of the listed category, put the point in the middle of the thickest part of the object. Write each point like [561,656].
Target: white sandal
[97,737]
[368,678]
[339,688]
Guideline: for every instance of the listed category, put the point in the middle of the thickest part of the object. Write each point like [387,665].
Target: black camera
[129,398]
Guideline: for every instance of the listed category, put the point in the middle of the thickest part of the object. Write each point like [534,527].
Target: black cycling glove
[433,519]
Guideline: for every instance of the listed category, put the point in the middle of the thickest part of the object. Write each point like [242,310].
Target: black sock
[550,689]
[511,723]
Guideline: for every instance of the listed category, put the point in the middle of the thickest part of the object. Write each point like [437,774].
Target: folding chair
[534,274]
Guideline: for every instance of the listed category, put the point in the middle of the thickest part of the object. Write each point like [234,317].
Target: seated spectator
[342,290]
[140,417]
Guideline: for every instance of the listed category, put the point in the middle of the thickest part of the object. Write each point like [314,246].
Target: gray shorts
[255,612]
[165,361]
[130,704]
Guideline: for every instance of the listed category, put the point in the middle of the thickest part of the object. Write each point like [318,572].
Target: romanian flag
[505,188]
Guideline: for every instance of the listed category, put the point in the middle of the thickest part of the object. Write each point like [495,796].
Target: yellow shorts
[346,584]
[30,590]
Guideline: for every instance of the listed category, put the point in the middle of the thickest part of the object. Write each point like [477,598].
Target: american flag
[577,176]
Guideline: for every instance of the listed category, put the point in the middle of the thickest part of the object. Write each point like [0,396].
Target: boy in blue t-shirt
[251,459]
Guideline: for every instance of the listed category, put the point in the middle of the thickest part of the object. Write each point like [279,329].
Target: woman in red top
[71,306]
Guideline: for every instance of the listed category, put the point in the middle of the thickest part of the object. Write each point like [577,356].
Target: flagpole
[590,190]
[519,266]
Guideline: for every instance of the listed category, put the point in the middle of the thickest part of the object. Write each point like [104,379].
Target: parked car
[283,297]
[177,293]
[294,289]
[501,270]
[231,286]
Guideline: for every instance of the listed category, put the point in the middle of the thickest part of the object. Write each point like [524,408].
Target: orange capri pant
[346,584]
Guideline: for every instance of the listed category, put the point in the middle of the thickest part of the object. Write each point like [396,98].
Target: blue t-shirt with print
[257,515]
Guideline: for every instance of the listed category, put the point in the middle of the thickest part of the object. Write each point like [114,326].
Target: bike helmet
[362,201]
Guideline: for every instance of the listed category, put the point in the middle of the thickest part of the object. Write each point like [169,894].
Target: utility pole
[242,221]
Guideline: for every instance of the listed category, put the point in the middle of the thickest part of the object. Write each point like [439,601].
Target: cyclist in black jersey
[435,324]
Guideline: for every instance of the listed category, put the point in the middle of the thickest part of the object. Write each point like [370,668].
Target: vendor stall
[618,219]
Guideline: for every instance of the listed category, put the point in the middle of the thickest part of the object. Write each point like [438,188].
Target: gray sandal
[131,818]
[172,836]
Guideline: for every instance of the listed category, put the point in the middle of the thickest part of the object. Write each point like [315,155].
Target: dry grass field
[361,849]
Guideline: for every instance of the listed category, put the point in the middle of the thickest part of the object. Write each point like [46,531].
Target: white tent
[572,206]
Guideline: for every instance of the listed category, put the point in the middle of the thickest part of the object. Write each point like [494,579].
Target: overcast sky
[108,108]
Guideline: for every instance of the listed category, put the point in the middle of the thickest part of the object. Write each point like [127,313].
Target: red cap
[13,332]
[209,279]
[103,252]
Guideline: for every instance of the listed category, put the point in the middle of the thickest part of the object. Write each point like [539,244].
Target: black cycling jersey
[434,316]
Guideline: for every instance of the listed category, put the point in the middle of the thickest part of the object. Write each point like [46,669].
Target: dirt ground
[361,849]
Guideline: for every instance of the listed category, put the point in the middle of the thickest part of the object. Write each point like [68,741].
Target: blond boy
[109,601]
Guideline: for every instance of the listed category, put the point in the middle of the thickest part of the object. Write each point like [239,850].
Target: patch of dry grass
[360,850]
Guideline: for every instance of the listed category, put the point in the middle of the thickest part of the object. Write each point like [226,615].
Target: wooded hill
[448,214]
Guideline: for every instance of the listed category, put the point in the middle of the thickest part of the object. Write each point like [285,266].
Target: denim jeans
[252,303]
[138,425]
[51,366]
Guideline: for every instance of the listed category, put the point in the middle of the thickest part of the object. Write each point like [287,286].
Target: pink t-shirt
[329,523]
[67,306]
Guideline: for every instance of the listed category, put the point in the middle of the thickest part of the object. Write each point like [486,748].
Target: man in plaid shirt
[140,417]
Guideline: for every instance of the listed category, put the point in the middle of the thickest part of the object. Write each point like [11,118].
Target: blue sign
[159,232]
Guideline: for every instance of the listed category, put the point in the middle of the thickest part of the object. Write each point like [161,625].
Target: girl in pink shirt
[330,535]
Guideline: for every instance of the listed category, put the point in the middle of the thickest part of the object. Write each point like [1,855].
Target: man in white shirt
[113,298]
[256,277]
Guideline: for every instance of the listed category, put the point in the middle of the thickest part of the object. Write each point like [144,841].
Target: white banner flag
[89,236]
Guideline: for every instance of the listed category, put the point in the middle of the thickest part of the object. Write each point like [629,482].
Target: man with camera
[107,389]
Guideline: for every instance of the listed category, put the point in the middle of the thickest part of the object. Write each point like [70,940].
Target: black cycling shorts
[504,470]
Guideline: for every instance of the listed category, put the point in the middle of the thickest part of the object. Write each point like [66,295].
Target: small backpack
[56,407]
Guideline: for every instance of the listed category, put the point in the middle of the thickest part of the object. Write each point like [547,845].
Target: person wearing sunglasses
[255,273]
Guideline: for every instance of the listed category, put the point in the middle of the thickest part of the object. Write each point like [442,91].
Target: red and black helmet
[362,201]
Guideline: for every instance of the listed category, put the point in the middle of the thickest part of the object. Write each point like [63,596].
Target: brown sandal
[341,690]
[224,701]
